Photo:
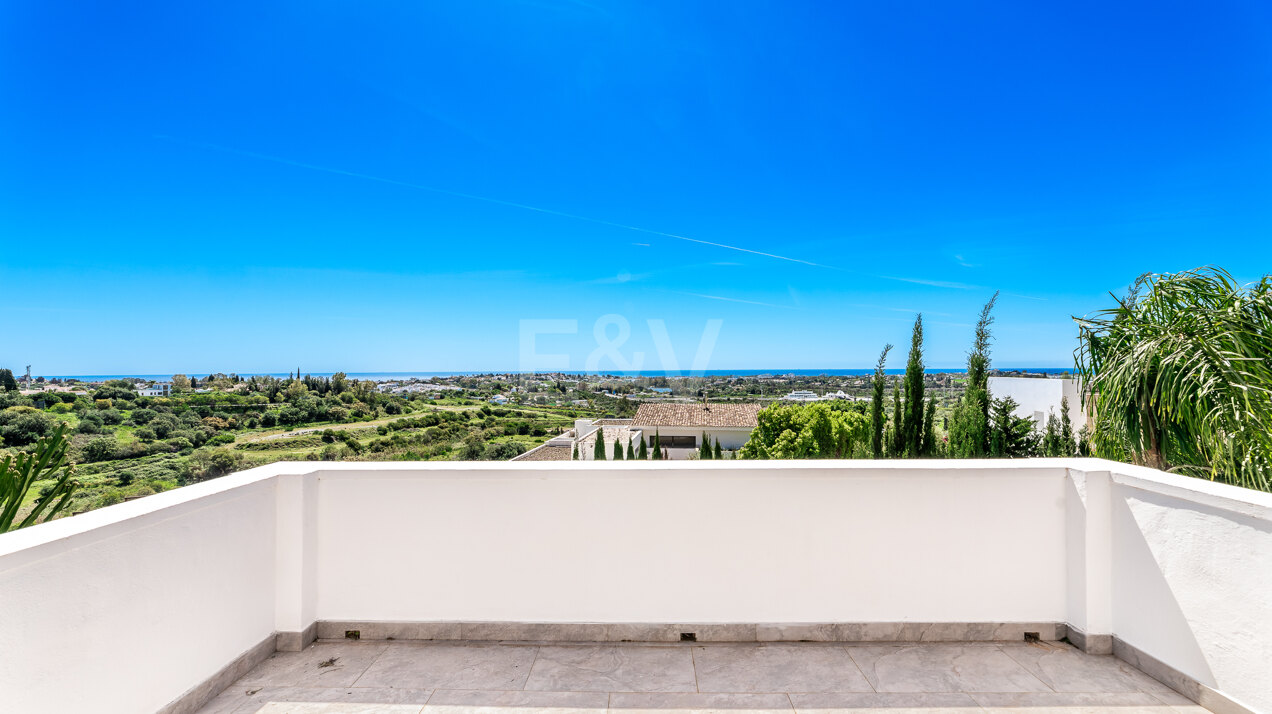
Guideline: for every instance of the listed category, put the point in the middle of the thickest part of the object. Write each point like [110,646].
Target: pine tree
[598,451]
[912,419]
[657,447]
[719,453]
[877,418]
[631,451]
[643,452]
[618,450]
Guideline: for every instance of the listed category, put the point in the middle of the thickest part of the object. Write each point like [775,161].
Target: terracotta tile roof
[697,414]
[546,453]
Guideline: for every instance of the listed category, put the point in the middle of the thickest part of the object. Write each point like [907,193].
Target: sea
[398,376]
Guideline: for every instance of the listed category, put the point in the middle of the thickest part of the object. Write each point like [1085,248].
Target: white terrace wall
[123,609]
[692,542]
[1192,579]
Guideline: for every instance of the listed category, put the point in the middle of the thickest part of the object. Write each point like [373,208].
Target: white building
[158,389]
[499,399]
[801,395]
[1037,398]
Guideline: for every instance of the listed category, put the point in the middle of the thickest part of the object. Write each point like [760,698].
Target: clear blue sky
[188,187]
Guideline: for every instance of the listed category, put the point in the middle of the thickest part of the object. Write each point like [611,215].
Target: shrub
[111,416]
[100,449]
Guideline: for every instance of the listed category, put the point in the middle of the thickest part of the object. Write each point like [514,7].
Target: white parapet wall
[126,608]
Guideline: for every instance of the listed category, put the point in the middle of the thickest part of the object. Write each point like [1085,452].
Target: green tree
[598,449]
[912,418]
[48,461]
[929,429]
[631,451]
[719,453]
[1181,376]
[618,450]
[894,430]
[1051,437]
[877,419]
[7,382]
[1068,443]
[969,423]
[575,455]
[643,452]
[704,447]
[1010,435]
[658,454]
[807,431]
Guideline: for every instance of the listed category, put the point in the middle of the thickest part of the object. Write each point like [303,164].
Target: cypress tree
[598,451]
[704,447]
[876,404]
[719,453]
[912,424]
[575,455]
[1051,437]
[618,450]
[894,441]
[1067,442]
[643,452]
[657,446]
[970,428]
[929,429]
[631,452]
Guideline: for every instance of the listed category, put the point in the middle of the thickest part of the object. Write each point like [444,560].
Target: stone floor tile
[1071,703]
[322,664]
[337,708]
[450,666]
[884,703]
[943,668]
[472,701]
[613,668]
[235,699]
[1066,669]
[698,703]
[777,668]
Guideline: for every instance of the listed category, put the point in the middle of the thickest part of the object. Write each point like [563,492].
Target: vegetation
[969,425]
[877,386]
[825,430]
[47,462]
[911,426]
[1180,376]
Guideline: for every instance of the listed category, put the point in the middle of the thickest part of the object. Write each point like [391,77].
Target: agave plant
[18,475]
[1180,376]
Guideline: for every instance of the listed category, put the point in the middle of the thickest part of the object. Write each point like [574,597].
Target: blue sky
[398,186]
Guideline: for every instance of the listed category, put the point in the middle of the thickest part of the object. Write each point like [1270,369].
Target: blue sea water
[392,376]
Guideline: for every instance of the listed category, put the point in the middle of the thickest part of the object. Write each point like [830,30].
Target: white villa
[1038,398]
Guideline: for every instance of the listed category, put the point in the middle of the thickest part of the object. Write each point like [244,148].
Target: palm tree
[1180,376]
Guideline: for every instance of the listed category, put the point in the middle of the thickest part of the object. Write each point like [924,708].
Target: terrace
[809,587]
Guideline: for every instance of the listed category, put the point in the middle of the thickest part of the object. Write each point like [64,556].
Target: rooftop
[797,586]
[697,415]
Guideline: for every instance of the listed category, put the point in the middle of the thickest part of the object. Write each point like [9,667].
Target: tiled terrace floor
[348,677]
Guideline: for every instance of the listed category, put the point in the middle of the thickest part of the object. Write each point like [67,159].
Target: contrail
[473,197]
